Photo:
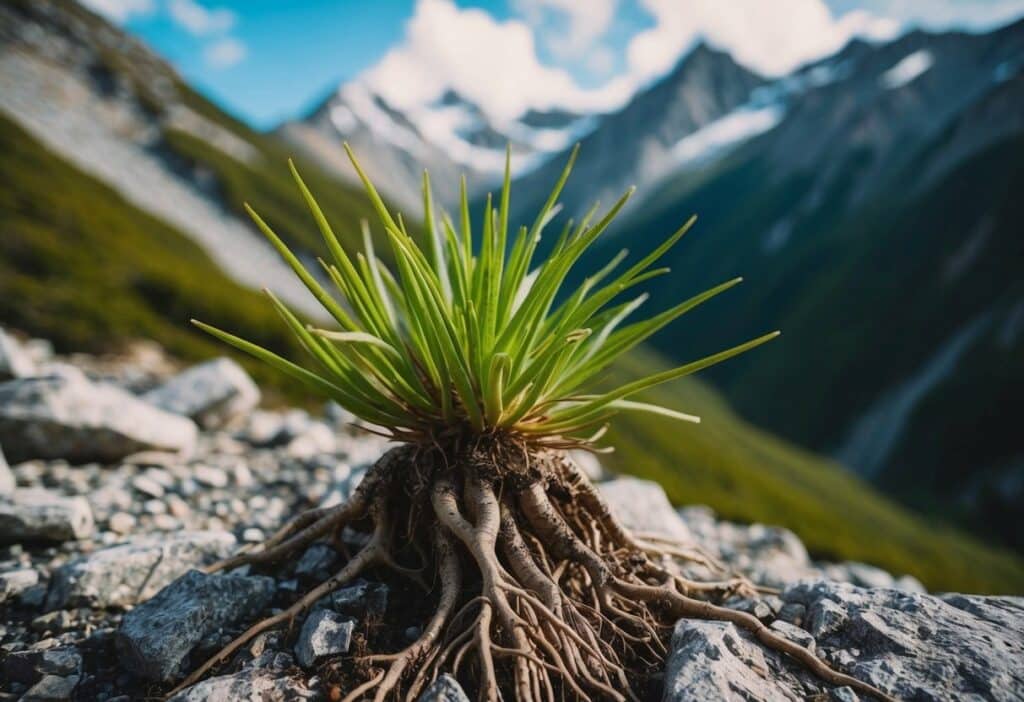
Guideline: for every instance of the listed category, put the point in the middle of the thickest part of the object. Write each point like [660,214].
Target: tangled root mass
[539,589]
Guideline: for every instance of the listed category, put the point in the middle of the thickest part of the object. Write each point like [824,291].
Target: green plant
[471,342]
[473,362]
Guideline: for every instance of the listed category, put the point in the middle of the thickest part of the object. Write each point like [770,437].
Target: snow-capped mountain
[448,136]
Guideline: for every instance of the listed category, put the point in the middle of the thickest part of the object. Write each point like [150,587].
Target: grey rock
[155,637]
[714,661]
[794,634]
[759,608]
[445,689]
[15,582]
[7,482]
[793,613]
[843,694]
[317,562]
[643,507]
[67,416]
[250,685]
[30,665]
[33,515]
[323,634]
[344,486]
[360,598]
[774,556]
[15,360]
[135,570]
[825,617]
[318,438]
[52,688]
[917,646]
[212,393]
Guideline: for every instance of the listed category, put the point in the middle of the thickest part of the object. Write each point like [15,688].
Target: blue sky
[267,60]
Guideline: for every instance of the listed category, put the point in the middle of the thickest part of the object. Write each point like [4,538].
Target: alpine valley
[871,199]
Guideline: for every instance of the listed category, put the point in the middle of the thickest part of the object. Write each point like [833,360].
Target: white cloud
[770,37]
[119,11]
[494,63]
[586,21]
[198,20]
[225,53]
[943,14]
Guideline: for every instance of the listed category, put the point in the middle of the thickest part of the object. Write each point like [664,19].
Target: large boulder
[212,393]
[133,571]
[15,360]
[155,637]
[36,515]
[909,645]
[643,507]
[67,416]
[917,646]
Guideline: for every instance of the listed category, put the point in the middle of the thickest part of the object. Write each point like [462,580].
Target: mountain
[647,139]
[448,136]
[120,219]
[878,223]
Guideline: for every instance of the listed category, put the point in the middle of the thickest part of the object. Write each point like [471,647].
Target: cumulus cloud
[198,20]
[225,53]
[586,22]
[494,63]
[770,37]
[119,11]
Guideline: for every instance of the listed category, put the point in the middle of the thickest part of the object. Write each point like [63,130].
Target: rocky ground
[127,473]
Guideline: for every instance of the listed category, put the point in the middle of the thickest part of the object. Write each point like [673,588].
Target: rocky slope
[101,598]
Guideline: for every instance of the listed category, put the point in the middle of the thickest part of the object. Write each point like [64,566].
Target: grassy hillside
[746,474]
[81,266]
[85,269]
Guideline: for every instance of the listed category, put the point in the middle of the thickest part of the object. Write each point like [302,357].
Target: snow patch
[739,125]
[907,69]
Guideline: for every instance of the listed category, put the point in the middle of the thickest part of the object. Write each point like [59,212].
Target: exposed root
[541,593]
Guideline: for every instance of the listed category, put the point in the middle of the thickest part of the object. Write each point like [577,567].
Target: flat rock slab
[212,393]
[247,686]
[67,416]
[909,645]
[917,646]
[155,637]
[33,515]
[133,571]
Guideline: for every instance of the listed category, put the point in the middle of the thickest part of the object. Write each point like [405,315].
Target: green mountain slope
[868,297]
[81,266]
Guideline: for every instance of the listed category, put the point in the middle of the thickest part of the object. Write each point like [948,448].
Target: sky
[271,60]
